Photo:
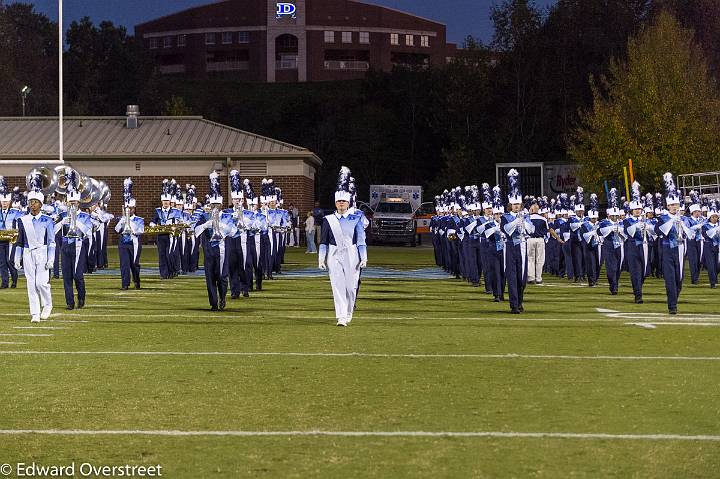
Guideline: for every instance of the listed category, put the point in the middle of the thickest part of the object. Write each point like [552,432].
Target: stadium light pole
[24,94]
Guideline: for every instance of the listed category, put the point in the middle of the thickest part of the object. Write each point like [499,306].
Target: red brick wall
[298,190]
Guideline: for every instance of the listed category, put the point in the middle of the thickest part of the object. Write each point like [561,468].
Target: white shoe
[35,319]
[46,312]
[341,322]
[348,319]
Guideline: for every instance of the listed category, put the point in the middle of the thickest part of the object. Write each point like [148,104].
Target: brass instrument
[9,235]
[49,179]
[217,235]
[127,230]
[240,220]
[175,229]
[73,231]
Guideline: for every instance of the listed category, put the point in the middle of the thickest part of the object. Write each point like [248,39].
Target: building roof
[157,137]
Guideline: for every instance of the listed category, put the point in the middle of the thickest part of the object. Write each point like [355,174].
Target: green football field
[431,379]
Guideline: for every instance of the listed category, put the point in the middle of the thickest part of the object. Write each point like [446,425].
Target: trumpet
[73,231]
[175,230]
[217,235]
[9,235]
[240,221]
[127,230]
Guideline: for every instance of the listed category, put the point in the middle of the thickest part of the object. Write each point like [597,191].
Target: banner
[561,179]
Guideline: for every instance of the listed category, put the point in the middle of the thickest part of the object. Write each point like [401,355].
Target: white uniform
[36,246]
[342,251]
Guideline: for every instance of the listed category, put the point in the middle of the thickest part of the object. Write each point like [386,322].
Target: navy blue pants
[58,251]
[496,273]
[215,275]
[515,274]
[566,249]
[473,260]
[253,267]
[612,258]
[437,250]
[266,253]
[195,256]
[485,264]
[636,264]
[693,256]
[710,253]
[592,263]
[72,275]
[163,244]
[672,272]
[7,268]
[236,265]
[129,266]
[576,250]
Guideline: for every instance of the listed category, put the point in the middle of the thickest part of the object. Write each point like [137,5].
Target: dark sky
[462,17]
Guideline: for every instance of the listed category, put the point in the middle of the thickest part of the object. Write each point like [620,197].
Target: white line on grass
[666,323]
[28,335]
[38,327]
[369,355]
[480,434]
[8,342]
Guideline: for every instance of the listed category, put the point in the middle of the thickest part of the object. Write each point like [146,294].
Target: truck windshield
[403,208]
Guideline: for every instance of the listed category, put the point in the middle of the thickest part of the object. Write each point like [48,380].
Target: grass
[366,393]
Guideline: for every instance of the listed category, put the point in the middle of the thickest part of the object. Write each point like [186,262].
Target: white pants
[344,276]
[536,258]
[38,279]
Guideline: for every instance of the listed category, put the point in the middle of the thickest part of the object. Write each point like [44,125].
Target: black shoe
[488,292]
[13,286]
[259,288]
[531,282]
[81,304]
[496,299]
[476,285]
[538,282]
[70,307]
[638,301]
[614,293]
[521,309]
[592,285]
[124,288]
[214,308]
[222,305]
[246,294]
[234,296]
[514,311]
[4,286]
[137,285]
[673,311]
[502,298]
[712,286]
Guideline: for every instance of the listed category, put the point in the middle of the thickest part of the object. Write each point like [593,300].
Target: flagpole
[60,82]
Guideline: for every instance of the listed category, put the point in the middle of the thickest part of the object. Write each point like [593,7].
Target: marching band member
[130,227]
[695,241]
[343,252]
[8,217]
[236,245]
[673,233]
[36,247]
[176,203]
[517,226]
[473,256]
[255,222]
[75,226]
[613,242]
[164,216]
[711,237]
[636,246]
[592,244]
[266,234]
[60,208]
[215,230]
[496,241]
[188,241]
[576,240]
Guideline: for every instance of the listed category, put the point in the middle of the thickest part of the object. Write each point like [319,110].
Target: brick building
[296,40]
[148,149]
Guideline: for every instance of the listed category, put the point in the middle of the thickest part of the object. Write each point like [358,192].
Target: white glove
[322,265]
[66,220]
[362,264]
[152,224]
[49,264]
[17,264]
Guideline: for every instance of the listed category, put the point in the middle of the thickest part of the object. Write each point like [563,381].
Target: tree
[176,106]
[660,107]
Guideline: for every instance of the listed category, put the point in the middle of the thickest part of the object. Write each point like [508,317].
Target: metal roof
[156,137]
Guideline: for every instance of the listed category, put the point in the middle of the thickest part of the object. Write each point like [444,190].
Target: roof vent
[133,111]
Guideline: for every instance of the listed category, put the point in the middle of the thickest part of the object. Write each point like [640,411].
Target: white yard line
[9,342]
[38,327]
[28,335]
[472,434]
[668,323]
[370,355]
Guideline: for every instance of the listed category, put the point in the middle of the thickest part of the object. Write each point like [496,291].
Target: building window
[227,38]
[409,40]
[167,42]
[424,41]
[153,43]
[364,37]
[347,37]
[394,39]
[181,39]
[243,37]
[209,39]
[329,37]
